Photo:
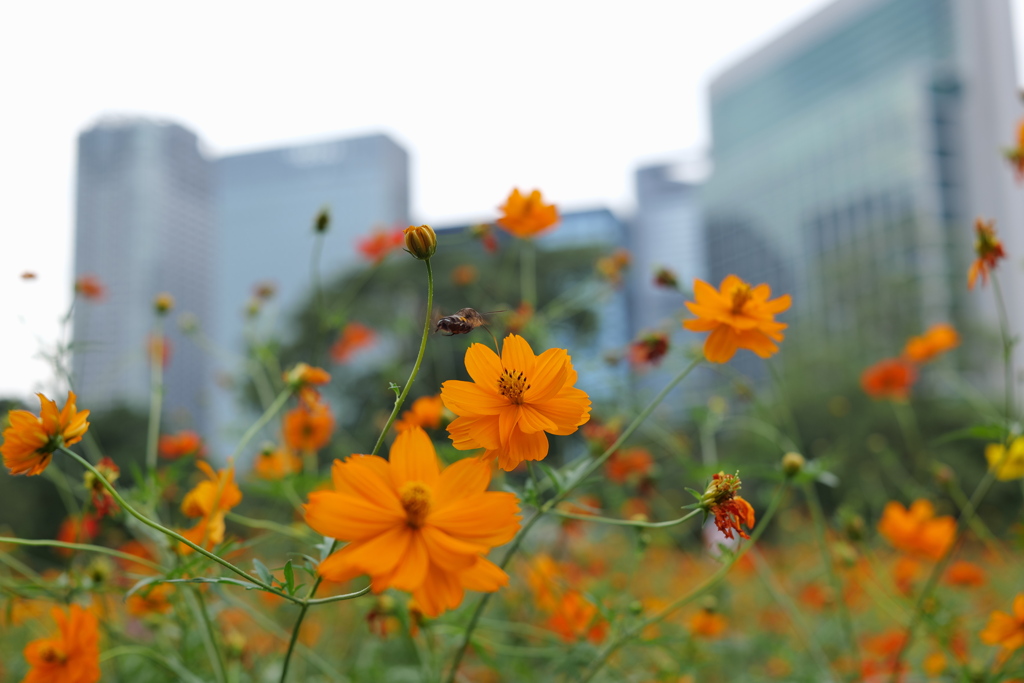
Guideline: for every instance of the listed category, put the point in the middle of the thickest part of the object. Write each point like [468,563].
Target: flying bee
[463,321]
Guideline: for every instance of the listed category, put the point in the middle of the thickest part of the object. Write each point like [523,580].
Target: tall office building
[144,225]
[851,156]
[266,203]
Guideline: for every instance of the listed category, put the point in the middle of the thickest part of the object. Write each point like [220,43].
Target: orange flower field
[717,499]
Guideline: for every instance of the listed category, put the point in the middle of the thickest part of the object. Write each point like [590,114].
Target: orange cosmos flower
[917,530]
[90,287]
[730,510]
[464,275]
[308,427]
[612,267]
[738,316]
[513,400]
[376,246]
[989,251]
[354,337]
[1015,155]
[154,599]
[276,463]
[186,442]
[576,618]
[630,462]
[29,441]
[413,526]
[71,656]
[937,340]
[81,529]
[210,500]
[425,412]
[889,379]
[965,574]
[707,623]
[306,375]
[1006,630]
[525,217]
[649,349]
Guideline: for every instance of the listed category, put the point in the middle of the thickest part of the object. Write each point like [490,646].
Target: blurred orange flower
[464,275]
[518,319]
[1006,630]
[159,349]
[525,217]
[707,623]
[306,375]
[414,526]
[1011,466]
[90,287]
[153,599]
[917,530]
[889,379]
[425,412]
[630,462]
[989,251]
[71,656]
[485,234]
[1015,155]
[576,618]
[738,316]
[211,500]
[965,574]
[935,341]
[308,426]
[543,575]
[273,464]
[354,337]
[77,529]
[513,401]
[648,349]
[185,442]
[28,275]
[611,267]
[29,441]
[376,246]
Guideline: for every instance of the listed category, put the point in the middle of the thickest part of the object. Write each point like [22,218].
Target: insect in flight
[463,321]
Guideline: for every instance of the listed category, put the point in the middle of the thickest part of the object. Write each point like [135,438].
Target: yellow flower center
[740,296]
[53,655]
[416,500]
[512,385]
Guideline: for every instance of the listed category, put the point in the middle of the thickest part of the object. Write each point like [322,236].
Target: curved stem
[267,525]
[82,546]
[259,424]
[586,471]
[631,632]
[419,360]
[627,522]
[156,395]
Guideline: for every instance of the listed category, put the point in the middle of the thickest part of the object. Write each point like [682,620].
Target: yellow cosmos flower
[412,526]
[30,441]
[210,500]
[513,400]
[1012,465]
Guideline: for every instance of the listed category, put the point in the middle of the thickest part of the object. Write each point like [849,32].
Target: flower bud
[421,241]
[323,220]
[163,303]
[792,464]
[663,277]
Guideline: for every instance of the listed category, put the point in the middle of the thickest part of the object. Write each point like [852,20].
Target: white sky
[565,95]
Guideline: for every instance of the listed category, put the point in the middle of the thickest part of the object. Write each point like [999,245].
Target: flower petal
[413,458]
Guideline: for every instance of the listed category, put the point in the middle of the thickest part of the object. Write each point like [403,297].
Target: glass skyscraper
[851,156]
[144,226]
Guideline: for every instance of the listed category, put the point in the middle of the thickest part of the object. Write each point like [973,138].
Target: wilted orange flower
[383,617]
[185,442]
[611,267]
[29,441]
[153,599]
[425,412]
[648,349]
[738,316]
[1006,630]
[576,618]
[464,275]
[90,287]
[513,400]
[308,426]
[937,340]
[917,530]
[71,656]
[989,251]
[1011,466]
[1015,155]
[210,500]
[276,463]
[378,244]
[666,277]
[102,500]
[525,217]
[80,529]
[354,337]
[730,510]
[966,574]
[707,623]
[630,462]
[889,379]
[306,375]
[413,526]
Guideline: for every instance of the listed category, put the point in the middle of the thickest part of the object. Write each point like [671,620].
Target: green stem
[321,309]
[81,546]
[1008,342]
[267,525]
[628,634]
[627,522]
[175,535]
[267,415]
[173,665]
[820,527]
[528,272]
[298,622]
[198,605]
[156,397]
[586,471]
[419,359]
[911,434]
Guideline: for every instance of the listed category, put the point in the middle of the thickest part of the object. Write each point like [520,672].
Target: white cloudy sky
[565,95]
